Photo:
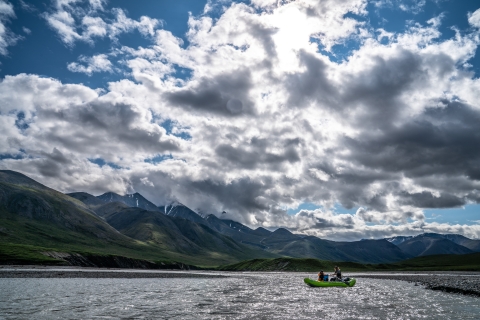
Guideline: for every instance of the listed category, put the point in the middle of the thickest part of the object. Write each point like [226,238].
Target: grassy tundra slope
[467,262]
[294,264]
[35,219]
[442,262]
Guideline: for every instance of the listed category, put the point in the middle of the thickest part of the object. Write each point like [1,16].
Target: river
[238,296]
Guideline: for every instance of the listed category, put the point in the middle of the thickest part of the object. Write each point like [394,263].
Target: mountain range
[40,219]
[281,242]
[433,244]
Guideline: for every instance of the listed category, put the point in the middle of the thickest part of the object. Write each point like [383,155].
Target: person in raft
[337,274]
[321,276]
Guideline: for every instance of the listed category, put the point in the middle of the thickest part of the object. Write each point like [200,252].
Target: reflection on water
[242,296]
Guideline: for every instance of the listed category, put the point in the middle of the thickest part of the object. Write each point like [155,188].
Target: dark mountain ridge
[434,243]
[178,210]
[32,214]
[38,221]
[283,242]
[431,244]
[86,198]
[135,200]
[176,234]
[473,245]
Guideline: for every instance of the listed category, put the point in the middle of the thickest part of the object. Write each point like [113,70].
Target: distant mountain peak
[398,239]
[282,231]
[134,200]
[169,207]
[178,210]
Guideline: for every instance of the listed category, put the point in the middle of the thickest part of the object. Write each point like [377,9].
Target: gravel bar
[100,274]
[453,283]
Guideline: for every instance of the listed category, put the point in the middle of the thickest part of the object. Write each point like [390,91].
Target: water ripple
[242,296]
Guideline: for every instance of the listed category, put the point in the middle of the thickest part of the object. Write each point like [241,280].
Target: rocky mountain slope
[38,219]
[135,200]
[431,244]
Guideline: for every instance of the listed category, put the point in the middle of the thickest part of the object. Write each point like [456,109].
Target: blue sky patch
[468,215]
[159,158]
[101,162]
[170,125]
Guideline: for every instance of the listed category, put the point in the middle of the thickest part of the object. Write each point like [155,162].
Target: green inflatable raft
[313,283]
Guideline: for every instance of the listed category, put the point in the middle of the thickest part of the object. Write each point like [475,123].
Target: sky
[343,119]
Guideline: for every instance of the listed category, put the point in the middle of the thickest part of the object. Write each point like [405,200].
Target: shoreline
[100,275]
[461,283]
[23,272]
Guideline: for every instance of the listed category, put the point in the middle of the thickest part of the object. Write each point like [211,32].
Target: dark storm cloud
[57,156]
[312,84]
[373,93]
[255,153]
[351,186]
[369,215]
[435,149]
[103,124]
[440,141]
[371,97]
[240,194]
[52,164]
[427,200]
[376,91]
[216,94]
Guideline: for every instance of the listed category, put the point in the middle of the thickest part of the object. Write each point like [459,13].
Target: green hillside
[443,262]
[467,262]
[294,264]
[36,219]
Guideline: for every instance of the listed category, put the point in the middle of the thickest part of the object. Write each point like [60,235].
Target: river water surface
[238,296]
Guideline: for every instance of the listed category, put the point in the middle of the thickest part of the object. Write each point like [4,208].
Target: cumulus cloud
[265,119]
[474,18]
[69,124]
[81,20]
[97,63]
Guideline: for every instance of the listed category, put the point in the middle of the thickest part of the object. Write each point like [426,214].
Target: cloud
[272,119]
[97,63]
[226,94]
[7,37]
[474,18]
[75,119]
[81,20]
[413,6]
[122,24]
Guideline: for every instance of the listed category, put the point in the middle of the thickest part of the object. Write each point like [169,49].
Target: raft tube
[313,283]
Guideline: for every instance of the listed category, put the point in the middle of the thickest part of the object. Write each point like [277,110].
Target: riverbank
[452,282]
[66,272]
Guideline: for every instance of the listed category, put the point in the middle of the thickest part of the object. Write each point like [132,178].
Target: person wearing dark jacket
[337,274]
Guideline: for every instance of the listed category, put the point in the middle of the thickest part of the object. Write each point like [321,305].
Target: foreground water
[240,296]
